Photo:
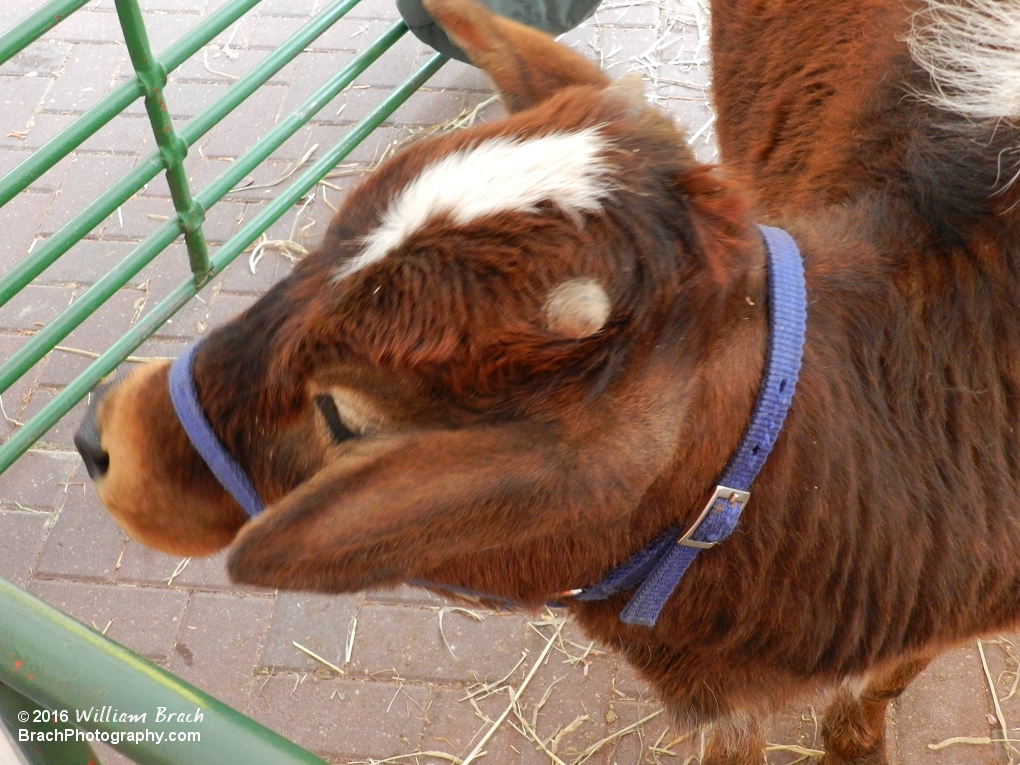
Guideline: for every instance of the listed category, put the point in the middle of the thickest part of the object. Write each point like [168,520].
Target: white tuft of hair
[498,175]
[577,308]
[971,49]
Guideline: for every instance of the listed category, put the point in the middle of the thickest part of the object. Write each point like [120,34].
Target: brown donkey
[525,352]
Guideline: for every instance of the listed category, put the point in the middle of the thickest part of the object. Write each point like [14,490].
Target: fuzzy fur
[971,50]
[522,461]
[497,176]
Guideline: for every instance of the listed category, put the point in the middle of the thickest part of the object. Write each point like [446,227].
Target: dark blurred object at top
[552,16]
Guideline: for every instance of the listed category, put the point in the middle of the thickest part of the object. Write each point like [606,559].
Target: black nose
[86,440]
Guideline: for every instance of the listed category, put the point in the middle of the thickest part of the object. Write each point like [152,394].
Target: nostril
[88,444]
[96,464]
[96,459]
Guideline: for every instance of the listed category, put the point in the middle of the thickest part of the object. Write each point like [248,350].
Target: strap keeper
[721,492]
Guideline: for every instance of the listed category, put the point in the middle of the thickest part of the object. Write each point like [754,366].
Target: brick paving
[411,666]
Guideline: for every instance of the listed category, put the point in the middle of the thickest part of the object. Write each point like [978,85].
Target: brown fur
[499,455]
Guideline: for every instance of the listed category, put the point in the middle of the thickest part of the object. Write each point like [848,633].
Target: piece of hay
[515,695]
[803,751]
[349,648]
[1011,751]
[179,570]
[591,750]
[316,656]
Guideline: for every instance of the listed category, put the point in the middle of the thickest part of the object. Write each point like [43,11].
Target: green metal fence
[46,658]
[173,145]
[65,667]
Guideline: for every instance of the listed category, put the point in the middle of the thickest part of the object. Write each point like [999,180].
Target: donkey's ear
[397,508]
[526,65]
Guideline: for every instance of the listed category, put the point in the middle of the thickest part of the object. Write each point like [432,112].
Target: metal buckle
[721,492]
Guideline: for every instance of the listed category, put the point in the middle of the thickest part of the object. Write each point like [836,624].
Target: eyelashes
[337,429]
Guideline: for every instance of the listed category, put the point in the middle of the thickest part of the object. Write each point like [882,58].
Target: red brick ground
[415,665]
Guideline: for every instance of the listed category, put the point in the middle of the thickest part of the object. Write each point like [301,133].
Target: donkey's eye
[331,415]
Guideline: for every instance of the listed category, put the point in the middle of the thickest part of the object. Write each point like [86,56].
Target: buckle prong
[721,492]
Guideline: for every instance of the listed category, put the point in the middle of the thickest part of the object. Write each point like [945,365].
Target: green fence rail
[67,668]
[190,207]
[47,660]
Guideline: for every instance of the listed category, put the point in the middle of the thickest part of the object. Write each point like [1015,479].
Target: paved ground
[415,675]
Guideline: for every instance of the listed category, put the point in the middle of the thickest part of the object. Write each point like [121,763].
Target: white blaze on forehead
[499,175]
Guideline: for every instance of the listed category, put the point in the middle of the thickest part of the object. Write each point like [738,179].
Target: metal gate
[191,207]
[44,655]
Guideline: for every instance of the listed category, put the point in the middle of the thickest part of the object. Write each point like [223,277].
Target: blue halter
[658,567]
[189,411]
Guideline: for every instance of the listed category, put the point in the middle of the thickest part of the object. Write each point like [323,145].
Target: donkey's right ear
[526,65]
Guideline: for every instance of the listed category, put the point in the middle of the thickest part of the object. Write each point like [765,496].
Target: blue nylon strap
[661,564]
[787,326]
[189,411]
[633,571]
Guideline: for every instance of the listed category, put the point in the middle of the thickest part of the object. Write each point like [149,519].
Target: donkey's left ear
[396,508]
[526,65]
[720,218]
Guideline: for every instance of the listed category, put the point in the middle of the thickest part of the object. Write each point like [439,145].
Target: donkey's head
[484,371]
